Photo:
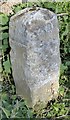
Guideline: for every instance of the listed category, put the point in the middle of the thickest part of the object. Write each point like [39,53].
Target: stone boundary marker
[35,55]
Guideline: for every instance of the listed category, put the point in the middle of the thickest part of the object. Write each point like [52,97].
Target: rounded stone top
[30,20]
[35,13]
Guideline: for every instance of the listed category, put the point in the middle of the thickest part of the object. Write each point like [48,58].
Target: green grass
[13,106]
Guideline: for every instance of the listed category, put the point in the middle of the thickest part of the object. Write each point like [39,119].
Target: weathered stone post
[35,56]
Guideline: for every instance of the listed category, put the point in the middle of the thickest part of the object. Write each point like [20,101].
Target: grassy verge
[13,106]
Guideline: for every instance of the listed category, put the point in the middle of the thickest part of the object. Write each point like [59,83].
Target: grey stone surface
[35,55]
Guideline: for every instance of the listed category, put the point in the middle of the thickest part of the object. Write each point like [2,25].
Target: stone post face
[35,56]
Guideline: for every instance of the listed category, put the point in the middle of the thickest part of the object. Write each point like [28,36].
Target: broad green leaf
[3,28]
[7,66]
[65,50]
[5,41]
[50,6]
[7,112]
[0,42]
[0,45]
[64,34]
[61,91]
[16,9]
[63,68]
[13,96]
[29,113]
[24,5]
[67,63]
[4,35]
[3,19]
[58,8]
[7,105]
[63,111]
[65,18]
[56,108]
[4,96]
[4,47]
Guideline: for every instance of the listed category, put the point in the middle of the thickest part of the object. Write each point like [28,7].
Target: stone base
[37,95]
